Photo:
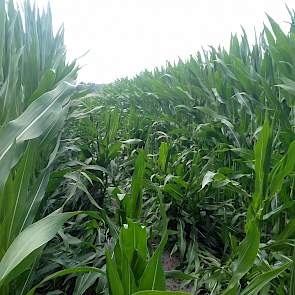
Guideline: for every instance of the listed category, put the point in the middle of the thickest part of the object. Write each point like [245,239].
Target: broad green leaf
[133,237]
[128,280]
[115,284]
[33,237]
[289,85]
[284,168]
[262,152]
[153,277]
[112,125]
[261,280]
[34,122]
[45,84]
[173,190]
[84,282]
[163,156]
[61,273]
[137,185]
[288,231]
[247,253]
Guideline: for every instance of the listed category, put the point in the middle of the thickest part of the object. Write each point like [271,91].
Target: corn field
[194,162]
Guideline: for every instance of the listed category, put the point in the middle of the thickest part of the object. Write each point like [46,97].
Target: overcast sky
[127,36]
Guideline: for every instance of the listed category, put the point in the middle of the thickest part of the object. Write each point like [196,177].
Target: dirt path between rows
[170,263]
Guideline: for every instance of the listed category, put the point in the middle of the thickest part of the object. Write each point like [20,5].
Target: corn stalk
[36,83]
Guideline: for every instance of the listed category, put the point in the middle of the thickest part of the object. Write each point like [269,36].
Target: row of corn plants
[216,133]
[195,159]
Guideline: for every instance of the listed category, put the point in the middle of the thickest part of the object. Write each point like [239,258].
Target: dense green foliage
[217,133]
[196,159]
[35,87]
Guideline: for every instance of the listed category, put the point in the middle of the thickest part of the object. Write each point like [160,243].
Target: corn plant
[35,87]
[267,184]
[131,271]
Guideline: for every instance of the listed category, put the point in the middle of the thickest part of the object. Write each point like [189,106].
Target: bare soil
[171,263]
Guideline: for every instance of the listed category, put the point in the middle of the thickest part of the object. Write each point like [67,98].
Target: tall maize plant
[35,87]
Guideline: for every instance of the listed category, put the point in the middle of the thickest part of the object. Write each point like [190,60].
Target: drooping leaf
[29,240]
[61,273]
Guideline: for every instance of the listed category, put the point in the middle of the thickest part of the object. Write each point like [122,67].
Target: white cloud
[127,36]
